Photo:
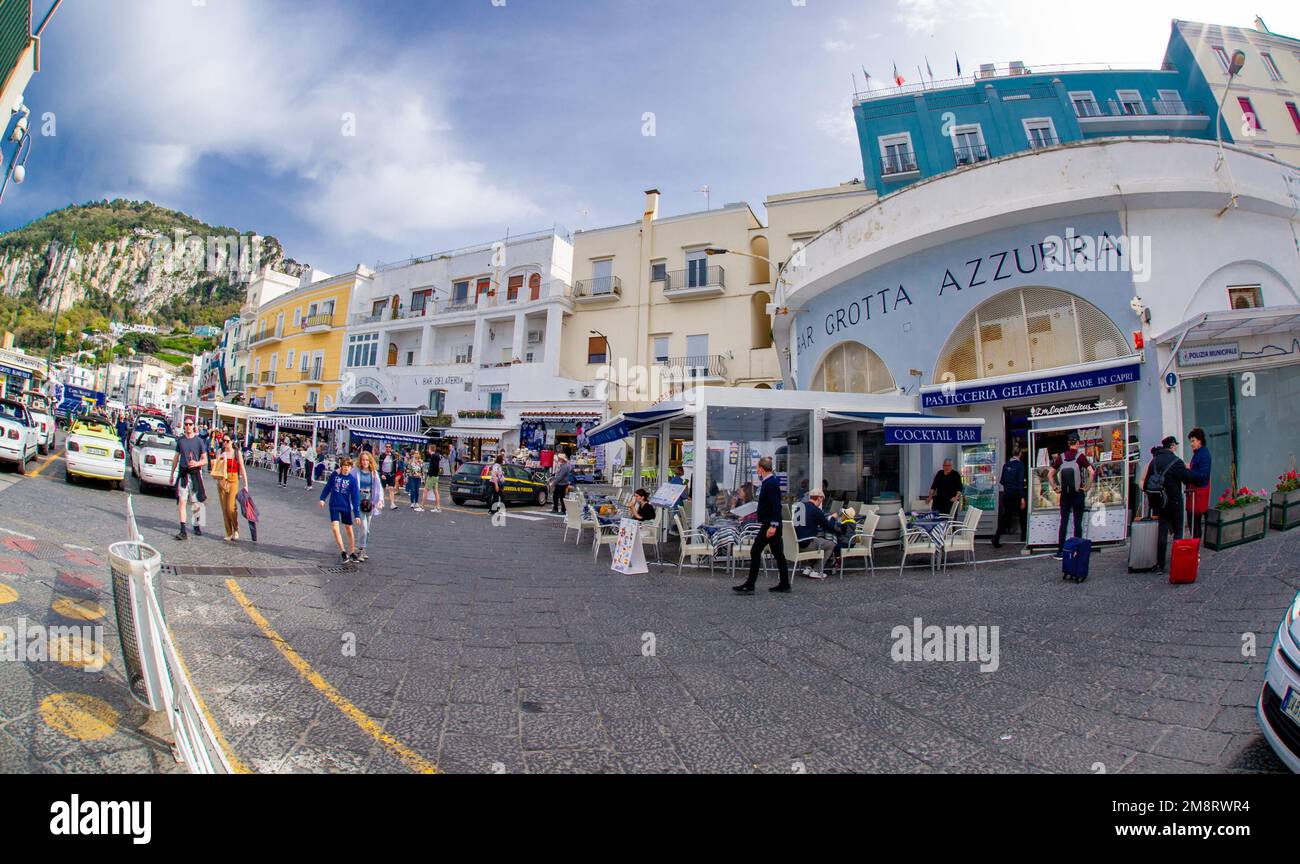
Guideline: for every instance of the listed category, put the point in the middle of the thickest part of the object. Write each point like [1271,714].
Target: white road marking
[523,517]
[75,546]
[17,533]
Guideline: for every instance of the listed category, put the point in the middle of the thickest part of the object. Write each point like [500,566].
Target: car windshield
[11,410]
[470,470]
[158,439]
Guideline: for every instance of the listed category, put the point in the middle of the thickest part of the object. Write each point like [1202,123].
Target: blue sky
[473,117]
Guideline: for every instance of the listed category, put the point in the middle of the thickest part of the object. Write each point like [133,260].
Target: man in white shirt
[283,461]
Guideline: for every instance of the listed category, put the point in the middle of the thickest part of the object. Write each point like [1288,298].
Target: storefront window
[739,437]
[857,464]
[1249,428]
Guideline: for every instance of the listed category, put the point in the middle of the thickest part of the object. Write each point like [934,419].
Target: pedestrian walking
[230,472]
[496,477]
[388,471]
[191,459]
[769,531]
[1163,485]
[1198,494]
[308,464]
[414,478]
[282,463]
[342,495]
[1070,476]
[371,488]
[431,481]
[563,477]
[1012,503]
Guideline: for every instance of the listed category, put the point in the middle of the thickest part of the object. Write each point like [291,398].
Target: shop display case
[1106,499]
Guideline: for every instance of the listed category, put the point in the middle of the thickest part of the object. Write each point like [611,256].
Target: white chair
[917,542]
[956,508]
[860,544]
[606,535]
[575,518]
[794,554]
[961,538]
[744,546]
[724,542]
[691,544]
[651,536]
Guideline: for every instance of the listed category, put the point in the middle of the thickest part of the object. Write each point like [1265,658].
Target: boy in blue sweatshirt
[344,496]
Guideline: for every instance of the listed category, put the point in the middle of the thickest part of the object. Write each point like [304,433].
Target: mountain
[134,261]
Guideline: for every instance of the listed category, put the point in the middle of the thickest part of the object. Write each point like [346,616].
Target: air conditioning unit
[534,336]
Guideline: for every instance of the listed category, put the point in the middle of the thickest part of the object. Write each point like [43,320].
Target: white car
[1278,708]
[18,437]
[153,458]
[94,450]
[38,406]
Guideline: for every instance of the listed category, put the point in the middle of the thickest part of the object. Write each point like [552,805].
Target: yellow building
[296,345]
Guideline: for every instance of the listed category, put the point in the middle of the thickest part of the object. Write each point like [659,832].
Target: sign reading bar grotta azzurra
[1029,388]
[921,434]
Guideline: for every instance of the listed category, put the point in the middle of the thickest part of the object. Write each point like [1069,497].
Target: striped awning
[387,435]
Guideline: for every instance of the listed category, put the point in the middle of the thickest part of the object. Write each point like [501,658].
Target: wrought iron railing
[599,286]
[694,277]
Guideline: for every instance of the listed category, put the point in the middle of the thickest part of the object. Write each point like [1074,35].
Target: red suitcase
[1184,559]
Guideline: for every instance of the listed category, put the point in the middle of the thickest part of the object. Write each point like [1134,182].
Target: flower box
[1231,526]
[1284,512]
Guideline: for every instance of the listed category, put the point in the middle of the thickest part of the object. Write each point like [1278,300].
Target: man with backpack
[1013,498]
[1070,476]
[1163,485]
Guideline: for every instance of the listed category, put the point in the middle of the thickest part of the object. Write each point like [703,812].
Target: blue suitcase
[1074,559]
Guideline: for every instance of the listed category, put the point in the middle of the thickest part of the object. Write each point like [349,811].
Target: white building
[473,334]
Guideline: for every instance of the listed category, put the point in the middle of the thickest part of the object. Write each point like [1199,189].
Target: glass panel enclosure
[738,437]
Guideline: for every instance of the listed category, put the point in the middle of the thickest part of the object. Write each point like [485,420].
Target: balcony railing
[1176,108]
[694,278]
[440,304]
[269,336]
[697,366]
[898,163]
[969,154]
[312,373]
[1138,108]
[322,319]
[1038,142]
[267,378]
[248,378]
[598,288]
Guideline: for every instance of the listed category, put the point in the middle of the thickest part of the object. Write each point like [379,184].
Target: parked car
[38,406]
[153,459]
[94,450]
[521,486]
[19,441]
[1278,708]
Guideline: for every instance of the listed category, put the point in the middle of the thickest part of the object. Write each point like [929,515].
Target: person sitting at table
[946,488]
[742,496]
[640,507]
[811,521]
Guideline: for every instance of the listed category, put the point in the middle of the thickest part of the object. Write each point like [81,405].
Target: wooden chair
[691,544]
[794,554]
[860,544]
[917,542]
[961,538]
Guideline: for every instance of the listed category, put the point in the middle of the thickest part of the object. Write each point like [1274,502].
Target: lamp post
[1237,61]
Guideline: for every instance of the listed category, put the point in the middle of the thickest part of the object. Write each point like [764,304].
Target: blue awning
[387,435]
[625,424]
[874,416]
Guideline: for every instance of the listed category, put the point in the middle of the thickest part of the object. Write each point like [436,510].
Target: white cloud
[837,46]
[232,80]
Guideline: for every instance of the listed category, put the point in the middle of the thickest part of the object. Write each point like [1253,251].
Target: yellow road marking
[236,764]
[72,607]
[364,722]
[79,716]
[46,463]
[7,594]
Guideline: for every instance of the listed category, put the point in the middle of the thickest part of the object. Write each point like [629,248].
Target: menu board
[629,554]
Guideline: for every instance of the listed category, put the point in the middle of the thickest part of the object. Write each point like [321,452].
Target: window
[851,367]
[602,277]
[1270,66]
[1085,105]
[377,308]
[362,349]
[1040,131]
[288,360]
[460,292]
[513,287]
[392,354]
[1295,115]
[659,349]
[279,326]
[437,400]
[968,144]
[483,287]
[410,358]
[311,311]
[535,286]
[494,401]
[1169,102]
[419,299]
[304,359]
[327,308]
[463,354]
[697,347]
[1245,297]
[1248,113]
[597,348]
[1130,102]
[896,154]
[1222,56]
[697,268]
[297,316]
[658,271]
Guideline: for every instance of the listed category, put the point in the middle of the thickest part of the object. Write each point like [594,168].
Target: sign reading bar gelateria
[923,434]
[1029,388]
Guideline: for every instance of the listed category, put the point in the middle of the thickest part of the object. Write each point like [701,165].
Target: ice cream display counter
[1103,440]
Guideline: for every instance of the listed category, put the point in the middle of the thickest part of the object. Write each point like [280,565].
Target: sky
[361,132]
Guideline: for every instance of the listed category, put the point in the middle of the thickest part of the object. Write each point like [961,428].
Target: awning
[490,433]
[1035,383]
[871,416]
[1234,324]
[933,430]
[387,435]
[625,424]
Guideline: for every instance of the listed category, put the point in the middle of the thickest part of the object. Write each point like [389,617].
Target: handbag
[219,468]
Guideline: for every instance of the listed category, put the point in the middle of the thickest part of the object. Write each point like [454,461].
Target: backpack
[1068,474]
[1155,485]
[1013,479]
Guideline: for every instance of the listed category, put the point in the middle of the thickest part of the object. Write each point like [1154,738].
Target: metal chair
[794,554]
[606,535]
[860,544]
[691,544]
[917,541]
[961,538]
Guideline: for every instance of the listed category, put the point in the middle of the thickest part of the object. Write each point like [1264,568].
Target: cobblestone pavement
[477,648]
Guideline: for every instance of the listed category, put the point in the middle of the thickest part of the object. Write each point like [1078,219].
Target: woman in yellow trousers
[229,470]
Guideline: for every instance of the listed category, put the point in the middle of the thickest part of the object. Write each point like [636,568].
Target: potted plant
[1284,512]
[1240,516]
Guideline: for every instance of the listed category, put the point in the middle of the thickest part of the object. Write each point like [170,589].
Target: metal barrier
[156,675]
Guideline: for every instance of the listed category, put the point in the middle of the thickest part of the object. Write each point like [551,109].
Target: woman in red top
[228,486]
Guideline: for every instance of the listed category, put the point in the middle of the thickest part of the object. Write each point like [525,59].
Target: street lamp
[1235,63]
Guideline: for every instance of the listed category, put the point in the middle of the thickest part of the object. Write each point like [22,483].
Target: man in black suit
[769,531]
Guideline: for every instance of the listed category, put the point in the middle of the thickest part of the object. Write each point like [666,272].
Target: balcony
[314,374]
[1137,115]
[600,289]
[899,164]
[694,282]
[266,338]
[696,368]
[318,323]
[248,378]
[970,154]
[267,378]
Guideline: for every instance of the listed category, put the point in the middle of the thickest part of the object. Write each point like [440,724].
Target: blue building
[912,132]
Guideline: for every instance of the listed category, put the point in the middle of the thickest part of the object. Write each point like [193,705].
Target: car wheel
[541,498]
[458,501]
[22,463]
[67,476]
[41,449]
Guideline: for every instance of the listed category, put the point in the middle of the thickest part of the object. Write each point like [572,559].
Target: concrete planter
[1284,510]
[1235,525]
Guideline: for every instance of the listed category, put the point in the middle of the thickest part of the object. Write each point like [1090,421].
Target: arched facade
[851,367]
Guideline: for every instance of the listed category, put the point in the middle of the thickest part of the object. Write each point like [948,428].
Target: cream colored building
[657,314]
[1268,85]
